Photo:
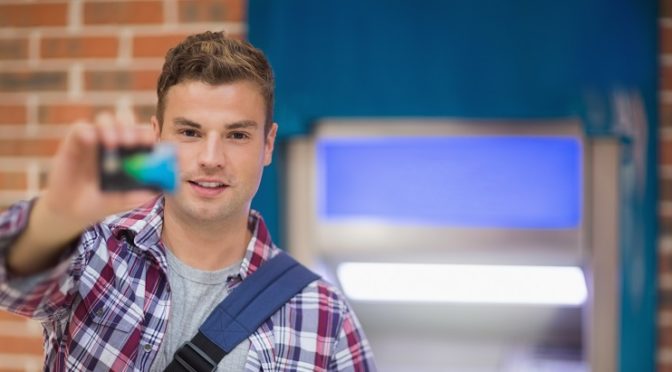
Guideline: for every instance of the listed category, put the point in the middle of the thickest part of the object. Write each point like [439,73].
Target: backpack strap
[255,299]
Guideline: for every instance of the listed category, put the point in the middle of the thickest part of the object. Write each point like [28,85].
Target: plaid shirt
[105,305]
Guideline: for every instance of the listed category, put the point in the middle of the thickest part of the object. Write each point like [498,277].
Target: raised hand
[72,200]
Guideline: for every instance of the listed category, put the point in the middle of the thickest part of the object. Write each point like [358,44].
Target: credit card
[139,168]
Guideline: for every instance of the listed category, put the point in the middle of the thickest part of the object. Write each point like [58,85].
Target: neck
[202,245]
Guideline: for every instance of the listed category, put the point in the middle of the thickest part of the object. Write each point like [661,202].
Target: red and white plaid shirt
[105,305]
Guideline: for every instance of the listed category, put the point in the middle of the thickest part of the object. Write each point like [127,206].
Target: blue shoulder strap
[255,299]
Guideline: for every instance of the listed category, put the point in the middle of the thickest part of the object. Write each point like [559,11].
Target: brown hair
[214,58]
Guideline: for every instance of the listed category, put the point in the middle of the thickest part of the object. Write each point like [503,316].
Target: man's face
[222,148]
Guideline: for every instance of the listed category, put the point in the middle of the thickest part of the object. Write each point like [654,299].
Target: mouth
[208,184]
[207,188]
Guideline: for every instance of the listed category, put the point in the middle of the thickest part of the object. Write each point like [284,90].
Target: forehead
[240,100]
[205,92]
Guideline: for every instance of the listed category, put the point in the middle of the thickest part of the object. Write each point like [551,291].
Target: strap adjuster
[193,359]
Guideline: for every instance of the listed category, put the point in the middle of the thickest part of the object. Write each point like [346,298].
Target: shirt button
[147,348]
[99,312]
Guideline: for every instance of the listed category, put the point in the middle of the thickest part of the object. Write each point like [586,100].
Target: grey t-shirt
[195,293]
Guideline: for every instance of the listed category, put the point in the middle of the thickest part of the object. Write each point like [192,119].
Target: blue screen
[525,182]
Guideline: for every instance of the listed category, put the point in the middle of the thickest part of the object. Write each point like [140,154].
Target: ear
[156,128]
[270,143]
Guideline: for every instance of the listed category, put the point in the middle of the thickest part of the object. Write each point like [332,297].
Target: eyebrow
[243,124]
[186,122]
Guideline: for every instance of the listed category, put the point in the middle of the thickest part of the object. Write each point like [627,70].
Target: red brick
[666,77]
[123,12]
[13,114]
[69,113]
[21,345]
[211,11]
[666,227]
[666,190]
[666,39]
[13,181]
[664,300]
[666,152]
[666,115]
[80,47]
[12,49]
[155,45]
[25,81]
[665,8]
[121,80]
[664,264]
[29,147]
[30,15]
[144,113]
[665,337]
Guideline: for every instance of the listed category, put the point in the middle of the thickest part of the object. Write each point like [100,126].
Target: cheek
[249,163]
[186,155]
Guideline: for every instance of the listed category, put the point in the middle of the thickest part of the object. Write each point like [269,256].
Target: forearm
[43,242]
[38,296]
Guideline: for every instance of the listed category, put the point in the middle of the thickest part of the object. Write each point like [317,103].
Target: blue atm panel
[508,182]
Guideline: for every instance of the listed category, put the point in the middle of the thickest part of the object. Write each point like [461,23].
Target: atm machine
[511,65]
[465,245]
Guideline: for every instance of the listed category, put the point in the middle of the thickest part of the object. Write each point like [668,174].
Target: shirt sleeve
[40,296]
[352,351]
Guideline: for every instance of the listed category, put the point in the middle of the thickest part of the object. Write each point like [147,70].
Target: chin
[207,210]
[211,213]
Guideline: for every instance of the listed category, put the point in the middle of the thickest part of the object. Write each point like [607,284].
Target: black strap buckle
[193,359]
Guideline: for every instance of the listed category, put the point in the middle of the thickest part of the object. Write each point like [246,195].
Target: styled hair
[214,58]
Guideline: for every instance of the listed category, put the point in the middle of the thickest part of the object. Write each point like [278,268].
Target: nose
[212,152]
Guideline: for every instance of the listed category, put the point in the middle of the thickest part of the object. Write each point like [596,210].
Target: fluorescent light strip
[549,285]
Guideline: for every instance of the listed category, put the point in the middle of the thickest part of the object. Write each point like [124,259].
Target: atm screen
[498,181]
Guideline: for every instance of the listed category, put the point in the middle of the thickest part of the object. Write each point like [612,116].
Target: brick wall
[62,61]
[665,206]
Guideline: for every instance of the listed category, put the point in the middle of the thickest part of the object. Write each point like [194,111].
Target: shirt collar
[260,248]
[145,223]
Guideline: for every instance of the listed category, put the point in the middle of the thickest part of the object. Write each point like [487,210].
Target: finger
[145,135]
[80,138]
[125,125]
[105,126]
[85,133]
[126,116]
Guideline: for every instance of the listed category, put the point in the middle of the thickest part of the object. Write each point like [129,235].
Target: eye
[188,132]
[239,135]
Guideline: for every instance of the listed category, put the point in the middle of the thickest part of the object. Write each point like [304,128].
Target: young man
[123,292]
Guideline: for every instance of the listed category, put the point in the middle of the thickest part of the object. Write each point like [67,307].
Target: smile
[209,185]
[208,189]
